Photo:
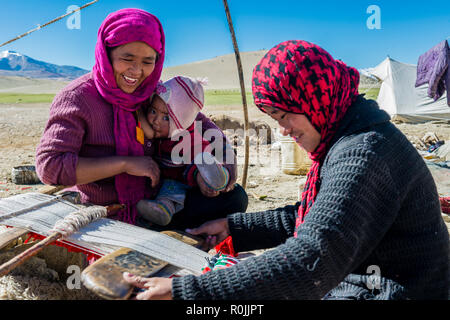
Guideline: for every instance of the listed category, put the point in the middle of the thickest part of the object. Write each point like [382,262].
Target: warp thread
[30,208]
[79,219]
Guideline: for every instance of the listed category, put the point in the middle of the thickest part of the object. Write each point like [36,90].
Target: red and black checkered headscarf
[300,77]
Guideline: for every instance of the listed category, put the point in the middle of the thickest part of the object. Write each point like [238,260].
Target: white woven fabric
[102,236]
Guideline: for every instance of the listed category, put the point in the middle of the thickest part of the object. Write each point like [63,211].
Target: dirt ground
[21,126]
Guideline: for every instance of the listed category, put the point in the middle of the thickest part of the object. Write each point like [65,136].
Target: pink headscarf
[119,28]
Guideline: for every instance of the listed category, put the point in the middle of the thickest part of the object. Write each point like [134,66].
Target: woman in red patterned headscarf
[308,92]
[368,225]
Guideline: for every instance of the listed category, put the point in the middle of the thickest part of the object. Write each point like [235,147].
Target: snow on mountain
[7,53]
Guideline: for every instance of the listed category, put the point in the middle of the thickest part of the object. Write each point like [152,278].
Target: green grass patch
[8,98]
[226,97]
[212,97]
[233,97]
[371,93]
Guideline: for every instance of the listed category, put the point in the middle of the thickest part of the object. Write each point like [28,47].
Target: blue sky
[197,29]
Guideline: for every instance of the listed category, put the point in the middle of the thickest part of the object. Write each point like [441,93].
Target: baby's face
[158,117]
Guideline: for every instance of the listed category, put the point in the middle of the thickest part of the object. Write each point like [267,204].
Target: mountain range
[15,64]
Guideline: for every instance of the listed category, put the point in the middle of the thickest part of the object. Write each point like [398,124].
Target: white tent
[401,99]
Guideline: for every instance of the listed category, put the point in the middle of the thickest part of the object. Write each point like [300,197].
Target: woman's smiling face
[297,126]
[132,64]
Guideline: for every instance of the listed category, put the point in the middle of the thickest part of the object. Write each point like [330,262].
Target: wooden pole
[21,258]
[46,24]
[244,98]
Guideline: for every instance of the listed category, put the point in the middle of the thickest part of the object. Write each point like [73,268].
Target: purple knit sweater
[81,124]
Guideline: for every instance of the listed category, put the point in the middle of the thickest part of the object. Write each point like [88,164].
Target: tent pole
[244,100]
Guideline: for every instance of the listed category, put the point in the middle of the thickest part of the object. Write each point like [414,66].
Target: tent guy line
[48,23]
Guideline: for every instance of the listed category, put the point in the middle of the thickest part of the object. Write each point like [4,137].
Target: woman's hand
[143,167]
[93,169]
[155,288]
[204,189]
[216,231]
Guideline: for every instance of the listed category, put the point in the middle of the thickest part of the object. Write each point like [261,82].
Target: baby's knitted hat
[184,98]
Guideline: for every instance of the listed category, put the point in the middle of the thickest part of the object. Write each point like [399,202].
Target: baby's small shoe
[159,211]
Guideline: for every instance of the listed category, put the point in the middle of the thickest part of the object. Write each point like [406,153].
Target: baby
[173,108]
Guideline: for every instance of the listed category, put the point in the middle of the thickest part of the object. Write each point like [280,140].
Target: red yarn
[226,247]
[445,204]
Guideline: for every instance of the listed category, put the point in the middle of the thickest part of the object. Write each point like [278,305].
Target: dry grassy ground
[21,126]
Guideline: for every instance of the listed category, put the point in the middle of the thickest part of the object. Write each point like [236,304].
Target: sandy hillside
[221,71]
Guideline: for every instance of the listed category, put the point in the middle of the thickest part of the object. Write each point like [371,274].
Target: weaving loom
[39,213]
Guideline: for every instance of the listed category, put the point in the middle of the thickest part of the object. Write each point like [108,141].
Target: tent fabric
[402,99]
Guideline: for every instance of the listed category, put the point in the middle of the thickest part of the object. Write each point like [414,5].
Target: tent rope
[48,23]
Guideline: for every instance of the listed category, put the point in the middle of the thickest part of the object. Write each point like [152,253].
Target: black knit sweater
[377,212]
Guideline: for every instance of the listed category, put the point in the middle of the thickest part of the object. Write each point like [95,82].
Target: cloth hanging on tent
[432,68]
[400,97]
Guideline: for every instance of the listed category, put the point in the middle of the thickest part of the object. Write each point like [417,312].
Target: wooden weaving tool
[104,277]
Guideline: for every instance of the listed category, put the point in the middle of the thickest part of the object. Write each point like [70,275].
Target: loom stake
[21,258]
[243,93]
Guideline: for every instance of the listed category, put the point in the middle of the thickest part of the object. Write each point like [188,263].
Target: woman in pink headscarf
[90,140]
